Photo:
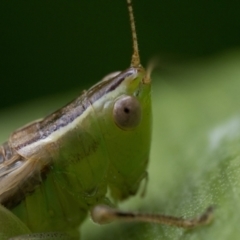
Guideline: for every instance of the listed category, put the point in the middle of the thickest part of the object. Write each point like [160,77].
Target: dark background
[51,46]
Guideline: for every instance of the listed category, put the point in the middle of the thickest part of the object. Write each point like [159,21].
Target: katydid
[63,165]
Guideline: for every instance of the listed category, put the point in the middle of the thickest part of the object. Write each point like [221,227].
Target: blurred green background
[52,46]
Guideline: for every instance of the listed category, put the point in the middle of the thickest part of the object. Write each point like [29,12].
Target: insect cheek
[127,112]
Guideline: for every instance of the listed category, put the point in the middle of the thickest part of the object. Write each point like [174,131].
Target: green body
[69,160]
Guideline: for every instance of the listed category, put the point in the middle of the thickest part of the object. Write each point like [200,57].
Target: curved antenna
[135,62]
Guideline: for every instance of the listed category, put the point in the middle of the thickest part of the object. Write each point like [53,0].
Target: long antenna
[135,57]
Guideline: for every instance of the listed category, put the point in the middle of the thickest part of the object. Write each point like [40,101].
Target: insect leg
[10,225]
[43,236]
[104,214]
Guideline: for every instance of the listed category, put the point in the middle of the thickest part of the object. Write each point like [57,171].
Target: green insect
[55,170]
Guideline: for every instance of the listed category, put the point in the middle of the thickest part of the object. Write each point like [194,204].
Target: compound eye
[127,112]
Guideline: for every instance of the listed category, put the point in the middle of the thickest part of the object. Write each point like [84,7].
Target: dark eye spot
[127,112]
